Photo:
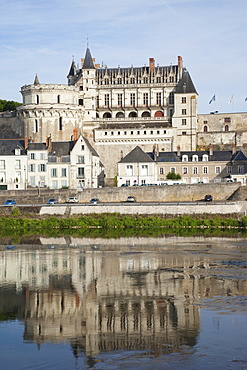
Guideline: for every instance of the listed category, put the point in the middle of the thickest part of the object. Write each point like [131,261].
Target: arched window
[205,157]
[159,113]
[107,115]
[205,128]
[226,128]
[119,115]
[146,114]
[133,114]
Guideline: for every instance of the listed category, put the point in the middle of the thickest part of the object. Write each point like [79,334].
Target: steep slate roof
[61,148]
[218,156]
[137,155]
[88,61]
[72,69]
[7,147]
[92,150]
[36,80]
[37,146]
[185,85]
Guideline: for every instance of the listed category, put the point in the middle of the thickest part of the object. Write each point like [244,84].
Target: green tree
[8,105]
[173,176]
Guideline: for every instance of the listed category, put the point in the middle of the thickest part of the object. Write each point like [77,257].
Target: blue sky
[42,36]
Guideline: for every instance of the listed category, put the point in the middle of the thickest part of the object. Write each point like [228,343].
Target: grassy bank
[122,222]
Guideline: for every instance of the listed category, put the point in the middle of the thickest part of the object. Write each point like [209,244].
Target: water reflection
[116,297]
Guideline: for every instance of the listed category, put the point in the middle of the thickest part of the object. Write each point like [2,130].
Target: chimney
[180,67]
[211,152]
[25,142]
[75,134]
[48,143]
[151,64]
[234,149]
[178,151]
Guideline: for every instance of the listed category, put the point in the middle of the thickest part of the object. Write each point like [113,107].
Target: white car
[72,200]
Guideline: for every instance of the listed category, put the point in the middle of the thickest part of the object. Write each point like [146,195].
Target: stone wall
[166,193]
[10,126]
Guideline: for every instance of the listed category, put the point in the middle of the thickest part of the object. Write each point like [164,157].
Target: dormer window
[18,151]
[185,158]
[205,157]
[195,158]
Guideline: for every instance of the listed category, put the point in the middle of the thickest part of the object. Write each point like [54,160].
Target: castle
[117,109]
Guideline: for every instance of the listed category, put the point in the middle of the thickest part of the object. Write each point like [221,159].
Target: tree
[173,176]
[8,105]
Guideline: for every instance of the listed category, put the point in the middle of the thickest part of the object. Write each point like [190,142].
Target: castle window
[58,98]
[125,132]
[119,80]
[145,98]
[158,131]
[241,169]
[112,133]
[107,98]
[105,133]
[82,147]
[205,128]
[132,99]
[171,79]
[107,81]
[138,132]
[184,111]
[158,98]
[185,170]
[36,126]
[60,125]
[37,99]
[144,132]
[107,115]
[205,170]
[145,80]
[184,133]
[120,99]
[205,122]
[81,88]
[131,132]
[183,100]
[195,170]
[161,171]
[80,102]
[118,132]
[151,132]
[227,120]
[132,80]
[158,80]
[229,169]
[226,128]
[184,122]
[195,158]
[164,131]
[217,169]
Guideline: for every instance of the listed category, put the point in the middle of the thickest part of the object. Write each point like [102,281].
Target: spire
[88,61]
[185,85]
[36,80]
[72,69]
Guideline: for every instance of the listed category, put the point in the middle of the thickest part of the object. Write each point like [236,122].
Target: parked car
[208,198]
[131,199]
[10,202]
[94,201]
[72,200]
[52,201]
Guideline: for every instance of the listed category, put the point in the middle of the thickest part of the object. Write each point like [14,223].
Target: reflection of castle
[104,299]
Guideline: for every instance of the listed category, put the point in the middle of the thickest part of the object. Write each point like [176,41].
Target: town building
[140,168]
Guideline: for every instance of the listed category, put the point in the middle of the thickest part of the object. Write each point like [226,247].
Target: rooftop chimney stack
[211,151]
[234,149]
[180,67]
[151,64]
[178,151]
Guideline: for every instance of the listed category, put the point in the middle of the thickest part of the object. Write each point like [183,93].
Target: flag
[245,99]
[213,99]
[231,100]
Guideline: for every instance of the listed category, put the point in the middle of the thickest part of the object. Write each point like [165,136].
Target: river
[127,303]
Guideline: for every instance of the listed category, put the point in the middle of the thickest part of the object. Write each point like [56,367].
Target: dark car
[10,202]
[52,201]
[94,201]
[208,198]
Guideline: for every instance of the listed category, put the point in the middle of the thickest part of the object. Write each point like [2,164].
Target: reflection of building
[112,298]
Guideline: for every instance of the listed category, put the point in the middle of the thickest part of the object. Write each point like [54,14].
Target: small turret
[36,80]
